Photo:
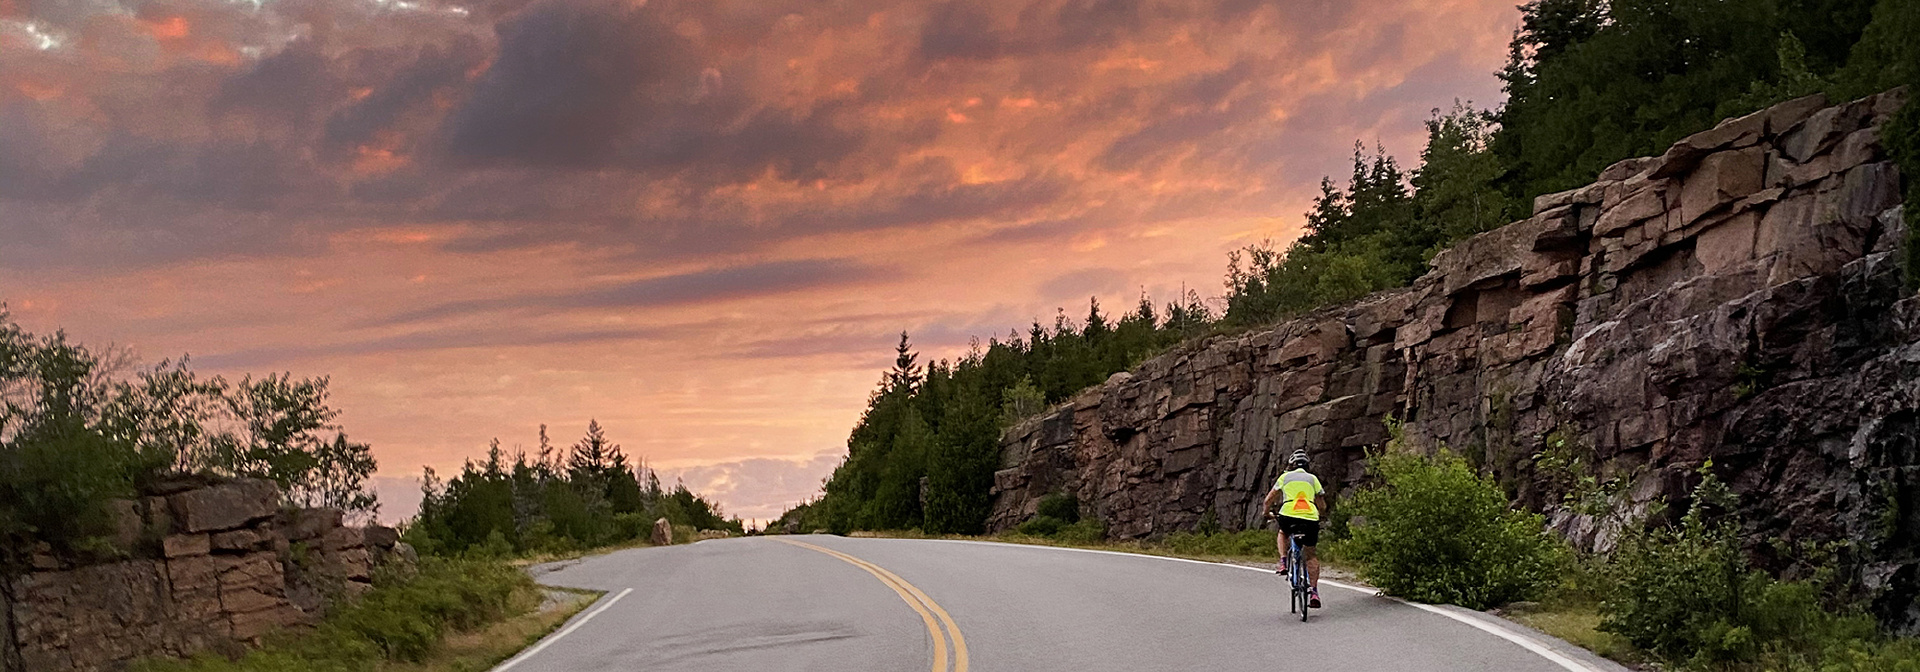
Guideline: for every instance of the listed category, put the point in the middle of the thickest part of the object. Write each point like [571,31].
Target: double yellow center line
[925,606]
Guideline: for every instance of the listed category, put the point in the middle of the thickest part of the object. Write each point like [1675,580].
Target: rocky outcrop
[213,566]
[1737,298]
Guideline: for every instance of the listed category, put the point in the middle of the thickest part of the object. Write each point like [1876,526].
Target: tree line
[924,452]
[82,427]
[1588,83]
[554,499]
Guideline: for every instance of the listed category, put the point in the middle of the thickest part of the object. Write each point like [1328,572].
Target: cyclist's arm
[1267,504]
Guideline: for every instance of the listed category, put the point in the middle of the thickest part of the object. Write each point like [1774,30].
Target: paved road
[832,603]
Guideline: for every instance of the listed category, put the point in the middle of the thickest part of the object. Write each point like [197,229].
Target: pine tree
[906,368]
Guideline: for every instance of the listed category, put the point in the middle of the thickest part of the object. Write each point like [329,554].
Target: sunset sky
[702,222]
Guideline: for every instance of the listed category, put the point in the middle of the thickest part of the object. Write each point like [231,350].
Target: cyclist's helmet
[1298,459]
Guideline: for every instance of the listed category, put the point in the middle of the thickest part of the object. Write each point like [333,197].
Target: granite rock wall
[206,566]
[1737,298]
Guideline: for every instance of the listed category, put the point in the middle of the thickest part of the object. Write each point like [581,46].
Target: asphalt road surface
[833,603]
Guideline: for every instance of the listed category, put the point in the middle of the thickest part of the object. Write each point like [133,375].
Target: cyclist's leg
[1313,565]
[1309,547]
[1280,540]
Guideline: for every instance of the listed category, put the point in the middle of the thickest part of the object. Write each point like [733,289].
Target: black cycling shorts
[1310,528]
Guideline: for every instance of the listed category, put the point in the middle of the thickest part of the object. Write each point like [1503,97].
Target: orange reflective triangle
[1300,503]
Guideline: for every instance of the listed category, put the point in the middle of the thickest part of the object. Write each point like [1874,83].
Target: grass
[484,648]
[539,557]
[1579,624]
[450,614]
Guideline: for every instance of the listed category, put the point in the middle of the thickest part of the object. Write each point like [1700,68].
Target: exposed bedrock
[1738,298]
[202,565]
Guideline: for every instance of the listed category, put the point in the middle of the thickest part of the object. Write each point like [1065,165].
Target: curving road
[833,603]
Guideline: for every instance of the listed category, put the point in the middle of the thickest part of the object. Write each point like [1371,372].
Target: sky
[704,223]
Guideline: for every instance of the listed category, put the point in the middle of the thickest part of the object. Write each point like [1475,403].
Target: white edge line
[1524,642]
[556,636]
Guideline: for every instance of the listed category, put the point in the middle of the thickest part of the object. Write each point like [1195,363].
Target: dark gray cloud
[291,86]
[404,103]
[717,284]
[963,30]
[24,149]
[434,339]
[597,85]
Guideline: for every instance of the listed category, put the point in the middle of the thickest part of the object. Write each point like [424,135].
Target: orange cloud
[168,29]
[37,91]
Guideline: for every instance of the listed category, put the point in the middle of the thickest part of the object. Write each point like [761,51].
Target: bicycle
[1297,575]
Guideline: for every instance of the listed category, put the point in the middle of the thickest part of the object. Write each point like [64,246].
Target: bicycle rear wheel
[1299,580]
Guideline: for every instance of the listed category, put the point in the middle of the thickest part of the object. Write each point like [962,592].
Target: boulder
[381,536]
[662,532]
[225,506]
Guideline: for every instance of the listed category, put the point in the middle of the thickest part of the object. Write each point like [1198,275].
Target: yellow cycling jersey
[1297,489]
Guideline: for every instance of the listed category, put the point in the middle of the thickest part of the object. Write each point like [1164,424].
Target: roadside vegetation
[1436,530]
[1431,529]
[449,614]
[82,427]
[555,501]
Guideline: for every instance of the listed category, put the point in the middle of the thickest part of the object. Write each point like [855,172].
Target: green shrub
[1041,526]
[1688,594]
[1436,531]
[1064,507]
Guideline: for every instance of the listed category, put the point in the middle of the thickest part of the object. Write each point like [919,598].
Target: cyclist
[1299,514]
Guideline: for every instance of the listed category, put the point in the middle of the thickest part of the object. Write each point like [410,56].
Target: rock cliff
[1737,298]
[212,565]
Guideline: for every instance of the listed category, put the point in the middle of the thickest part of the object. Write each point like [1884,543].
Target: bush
[76,434]
[1436,531]
[1061,506]
[1688,594]
[1041,526]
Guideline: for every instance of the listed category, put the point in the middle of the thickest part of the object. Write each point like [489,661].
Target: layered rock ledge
[1738,298]
[210,565]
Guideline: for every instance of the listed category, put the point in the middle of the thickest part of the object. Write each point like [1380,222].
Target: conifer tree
[905,375]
